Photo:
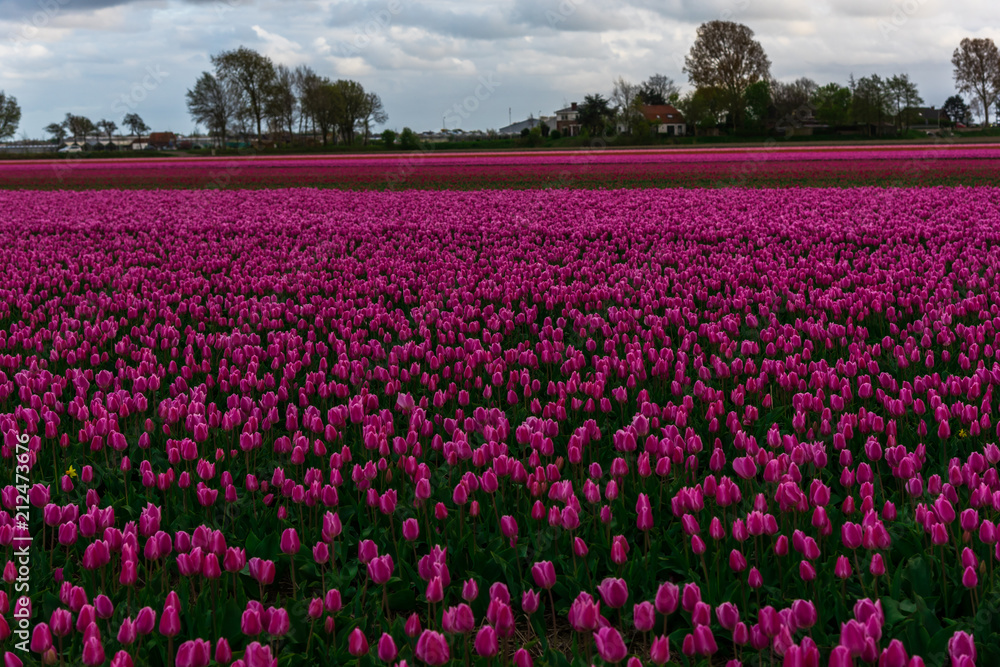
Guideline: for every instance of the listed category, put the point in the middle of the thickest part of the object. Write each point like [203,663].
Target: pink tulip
[470,590]
[380,569]
[659,652]
[41,638]
[530,601]
[387,651]
[194,653]
[223,654]
[290,541]
[486,643]
[122,659]
[432,648]
[544,574]
[357,642]
[614,592]
[610,645]
[170,622]
[894,655]
[522,658]
[643,616]
[411,530]
[667,598]
[93,652]
[145,621]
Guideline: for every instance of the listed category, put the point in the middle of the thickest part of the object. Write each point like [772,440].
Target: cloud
[280,49]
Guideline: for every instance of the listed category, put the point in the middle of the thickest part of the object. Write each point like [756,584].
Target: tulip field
[513,426]
[594,167]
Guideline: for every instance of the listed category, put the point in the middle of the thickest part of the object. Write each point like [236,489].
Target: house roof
[530,123]
[569,110]
[662,113]
[931,114]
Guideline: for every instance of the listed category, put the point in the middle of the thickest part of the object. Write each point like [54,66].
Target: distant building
[515,129]
[665,119]
[927,118]
[163,140]
[568,121]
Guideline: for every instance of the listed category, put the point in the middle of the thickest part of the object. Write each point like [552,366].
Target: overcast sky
[103,58]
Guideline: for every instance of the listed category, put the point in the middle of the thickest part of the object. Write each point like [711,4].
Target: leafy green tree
[702,108]
[350,104]
[10,115]
[758,101]
[832,104]
[957,110]
[79,127]
[136,125]
[108,127]
[903,98]
[594,113]
[408,140]
[872,103]
[322,104]
[389,139]
[533,137]
[57,130]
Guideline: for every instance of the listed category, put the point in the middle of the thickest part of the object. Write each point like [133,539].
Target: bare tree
[213,103]
[977,72]
[307,84]
[659,89]
[792,100]
[372,113]
[726,56]
[623,94]
[282,104]
[904,98]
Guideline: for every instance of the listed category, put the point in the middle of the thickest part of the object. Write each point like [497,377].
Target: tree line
[732,86]
[248,93]
[80,128]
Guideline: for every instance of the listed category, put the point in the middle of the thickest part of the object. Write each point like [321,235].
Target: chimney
[573,106]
